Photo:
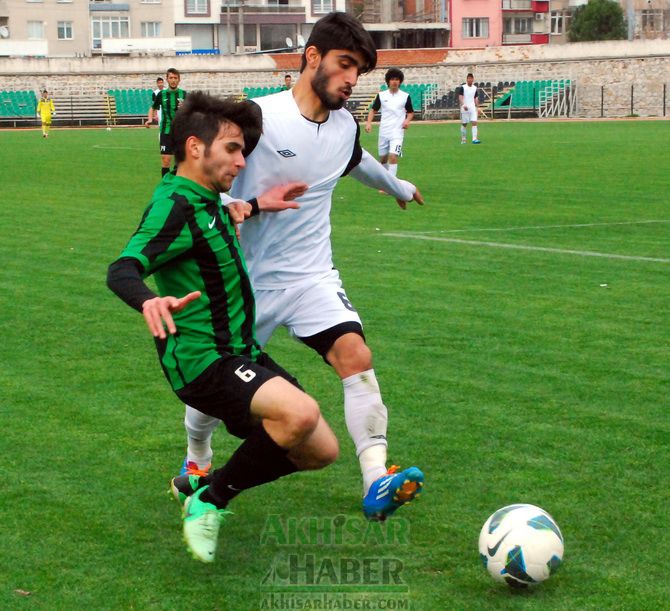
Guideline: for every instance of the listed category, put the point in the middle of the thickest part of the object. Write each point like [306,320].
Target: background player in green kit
[167,101]
[203,320]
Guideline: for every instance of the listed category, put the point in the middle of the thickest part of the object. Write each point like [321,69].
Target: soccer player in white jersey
[469,102]
[308,136]
[160,85]
[397,112]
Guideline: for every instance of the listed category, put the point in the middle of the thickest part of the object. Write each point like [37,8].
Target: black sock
[257,461]
[164,171]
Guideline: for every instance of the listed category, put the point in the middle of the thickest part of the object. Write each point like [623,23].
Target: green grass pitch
[519,322]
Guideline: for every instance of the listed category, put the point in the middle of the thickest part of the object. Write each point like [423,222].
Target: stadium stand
[15,104]
[421,94]
[258,92]
[131,102]
[530,94]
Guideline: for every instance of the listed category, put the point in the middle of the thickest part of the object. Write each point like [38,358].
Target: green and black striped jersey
[187,240]
[167,101]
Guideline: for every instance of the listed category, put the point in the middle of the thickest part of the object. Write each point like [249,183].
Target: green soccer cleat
[201,526]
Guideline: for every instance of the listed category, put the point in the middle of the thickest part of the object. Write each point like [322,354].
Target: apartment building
[80,28]
[404,24]
[72,28]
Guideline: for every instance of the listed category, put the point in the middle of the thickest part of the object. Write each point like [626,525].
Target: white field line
[530,227]
[110,147]
[561,251]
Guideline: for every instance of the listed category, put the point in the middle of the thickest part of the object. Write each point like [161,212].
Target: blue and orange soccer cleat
[193,468]
[393,490]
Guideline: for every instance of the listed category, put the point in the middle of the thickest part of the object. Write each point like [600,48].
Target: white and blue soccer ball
[521,545]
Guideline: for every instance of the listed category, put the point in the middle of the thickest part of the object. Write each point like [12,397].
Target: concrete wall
[607,68]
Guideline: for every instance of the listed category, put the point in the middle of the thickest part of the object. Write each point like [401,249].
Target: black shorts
[167,144]
[225,389]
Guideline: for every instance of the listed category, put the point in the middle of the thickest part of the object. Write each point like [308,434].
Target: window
[108,27]
[477,27]
[274,36]
[35,30]
[151,29]
[652,20]
[197,7]
[518,25]
[322,6]
[560,22]
[64,30]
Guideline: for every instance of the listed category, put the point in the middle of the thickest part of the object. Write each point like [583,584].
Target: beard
[320,87]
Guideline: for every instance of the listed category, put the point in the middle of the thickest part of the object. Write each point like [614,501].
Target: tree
[597,20]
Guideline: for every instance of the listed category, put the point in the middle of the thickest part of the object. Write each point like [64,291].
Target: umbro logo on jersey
[286,153]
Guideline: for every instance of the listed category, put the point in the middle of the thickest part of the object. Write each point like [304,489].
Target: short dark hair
[470,74]
[160,78]
[201,115]
[394,73]
[288,76]
[173,71]
[342,31]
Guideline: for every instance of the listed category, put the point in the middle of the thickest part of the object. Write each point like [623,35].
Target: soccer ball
[521,545]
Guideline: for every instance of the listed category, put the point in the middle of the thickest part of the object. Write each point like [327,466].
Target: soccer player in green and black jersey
[206,339]
[167,101]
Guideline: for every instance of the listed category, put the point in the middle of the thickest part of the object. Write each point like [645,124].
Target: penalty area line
[531,227]
[527,247]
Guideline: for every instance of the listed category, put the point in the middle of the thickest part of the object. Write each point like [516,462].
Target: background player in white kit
[160,85]
[397,112]
[308,136]
[469,102]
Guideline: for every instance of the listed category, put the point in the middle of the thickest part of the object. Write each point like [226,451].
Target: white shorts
[390,145]
[469,115]
[305,310]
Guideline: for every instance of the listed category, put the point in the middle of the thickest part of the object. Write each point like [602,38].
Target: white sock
[366,417]
[474,132]
[373,465]
[464,132]
[199,429]
[393,168]
[385,166]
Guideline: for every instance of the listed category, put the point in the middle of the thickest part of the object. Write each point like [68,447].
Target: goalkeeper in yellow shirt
[45,110]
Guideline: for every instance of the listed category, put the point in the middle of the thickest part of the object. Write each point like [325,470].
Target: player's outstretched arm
[418,198]
[158,311]
[372,174]
[281,197]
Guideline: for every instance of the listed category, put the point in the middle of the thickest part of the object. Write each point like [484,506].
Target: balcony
[258,6]
[517,5]
[259,13]
[516,39]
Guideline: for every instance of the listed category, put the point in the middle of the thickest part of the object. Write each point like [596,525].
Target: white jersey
[394,108]
[469,93]
[290,247]
[158,112]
